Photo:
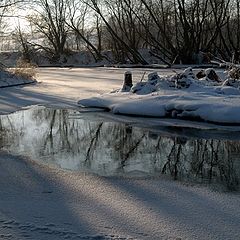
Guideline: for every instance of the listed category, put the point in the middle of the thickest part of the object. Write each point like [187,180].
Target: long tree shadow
[42,203]
[193,212]
[35,203]
[17,97]
[39,202]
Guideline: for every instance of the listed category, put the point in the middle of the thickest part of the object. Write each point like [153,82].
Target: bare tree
[220,9]
[232,30]
[175,31]
[50,21]
[78,13]
[116,10]
[22,39]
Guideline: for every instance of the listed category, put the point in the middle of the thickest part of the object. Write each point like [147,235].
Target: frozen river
[65,86]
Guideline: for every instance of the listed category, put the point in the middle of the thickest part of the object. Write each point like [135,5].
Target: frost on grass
[202,96]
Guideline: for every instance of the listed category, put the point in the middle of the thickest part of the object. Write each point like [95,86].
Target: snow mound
[183,95]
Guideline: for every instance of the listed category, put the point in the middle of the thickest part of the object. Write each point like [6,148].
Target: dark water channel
[77,141]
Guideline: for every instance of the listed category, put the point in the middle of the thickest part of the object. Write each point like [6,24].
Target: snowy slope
[8,79]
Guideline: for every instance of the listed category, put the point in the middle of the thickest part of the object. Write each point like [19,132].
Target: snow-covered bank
[38,202]
[179,96]
[8,79]
[62,87]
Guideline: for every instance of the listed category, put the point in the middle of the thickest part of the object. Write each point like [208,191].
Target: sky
[14,22]
[18,18]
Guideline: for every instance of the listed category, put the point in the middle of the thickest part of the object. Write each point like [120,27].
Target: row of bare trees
[174,31]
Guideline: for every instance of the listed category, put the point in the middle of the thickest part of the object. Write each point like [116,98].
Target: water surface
[86,142]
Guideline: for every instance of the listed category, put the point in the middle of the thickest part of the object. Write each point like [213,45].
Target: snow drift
[186,95]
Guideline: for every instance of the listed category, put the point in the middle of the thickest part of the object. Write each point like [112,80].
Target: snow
[62,87]
[8,79]
[41,202]
[179,96]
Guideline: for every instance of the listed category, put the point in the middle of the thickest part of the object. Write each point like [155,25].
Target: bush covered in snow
[183,80]
[188,79]
[233,79]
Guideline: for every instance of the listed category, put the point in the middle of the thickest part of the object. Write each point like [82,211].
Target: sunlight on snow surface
[181,95]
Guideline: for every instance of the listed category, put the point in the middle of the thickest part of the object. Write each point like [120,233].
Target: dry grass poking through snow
[25,70]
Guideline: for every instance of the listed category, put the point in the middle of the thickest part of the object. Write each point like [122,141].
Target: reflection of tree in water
[173,160]
[122,148]
[49,137]
[9,132]
[125,144]
[93,144]
[3,133]
[64,135]
[212,159]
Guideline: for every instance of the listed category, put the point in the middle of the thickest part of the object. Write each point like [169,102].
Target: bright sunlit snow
[41,202]
[178,96]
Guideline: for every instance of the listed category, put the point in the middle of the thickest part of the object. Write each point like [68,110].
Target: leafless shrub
[234,73]
[25,69]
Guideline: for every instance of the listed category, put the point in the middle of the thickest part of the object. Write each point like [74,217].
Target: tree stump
[127,84]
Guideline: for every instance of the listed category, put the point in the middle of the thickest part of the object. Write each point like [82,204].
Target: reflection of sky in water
[109,148]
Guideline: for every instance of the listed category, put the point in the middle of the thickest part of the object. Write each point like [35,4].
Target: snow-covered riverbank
[62,87]
[181,96]
[8,79]
[40,202]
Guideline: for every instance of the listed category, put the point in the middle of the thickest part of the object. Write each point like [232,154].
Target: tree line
[173,31]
